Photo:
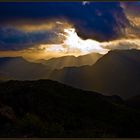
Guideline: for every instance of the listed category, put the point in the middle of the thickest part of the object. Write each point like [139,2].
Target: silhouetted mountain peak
[116,73]
[71,61]
[7,59]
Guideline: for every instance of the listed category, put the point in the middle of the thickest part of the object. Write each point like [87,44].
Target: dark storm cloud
[98,20]
[131,8]
[14,39]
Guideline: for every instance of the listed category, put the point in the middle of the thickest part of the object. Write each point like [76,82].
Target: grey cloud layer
[97,20]
[14,39]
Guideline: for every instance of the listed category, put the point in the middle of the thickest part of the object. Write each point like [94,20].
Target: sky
[44,30]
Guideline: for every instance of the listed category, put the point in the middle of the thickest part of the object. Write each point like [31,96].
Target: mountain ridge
[70,61]
[113,73]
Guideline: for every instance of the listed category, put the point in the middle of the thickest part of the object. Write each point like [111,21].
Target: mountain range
[116,73]
[21,69]
[71,61]
[99,100]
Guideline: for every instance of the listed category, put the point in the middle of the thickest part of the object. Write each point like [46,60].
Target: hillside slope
[117,72]
[49,109]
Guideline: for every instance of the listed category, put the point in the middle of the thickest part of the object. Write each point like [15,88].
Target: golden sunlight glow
[74,45]
[122,44]
[134,21]
[70,44]
[73,41]
[48,25]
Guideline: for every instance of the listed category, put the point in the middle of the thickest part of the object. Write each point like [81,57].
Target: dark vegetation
[46,108]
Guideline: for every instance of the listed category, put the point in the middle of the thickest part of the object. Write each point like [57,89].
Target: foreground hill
[117,72]
[49,109]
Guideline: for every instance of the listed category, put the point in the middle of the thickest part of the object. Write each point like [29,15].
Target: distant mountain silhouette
[117,72]
[46,108]
[71,61]
[19,68]
[4,76]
